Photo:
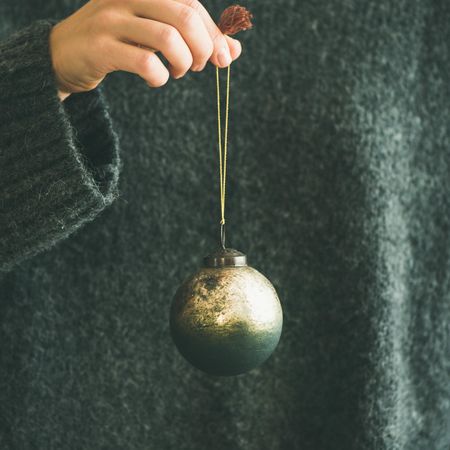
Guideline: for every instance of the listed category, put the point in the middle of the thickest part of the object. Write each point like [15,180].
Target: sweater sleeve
[59,162]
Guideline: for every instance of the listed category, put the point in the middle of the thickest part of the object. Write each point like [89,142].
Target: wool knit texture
[59,163]
[339,192]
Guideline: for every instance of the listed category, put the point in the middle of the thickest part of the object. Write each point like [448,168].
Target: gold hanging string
[222,151]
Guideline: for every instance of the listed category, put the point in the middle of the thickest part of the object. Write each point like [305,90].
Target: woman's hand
[109,35]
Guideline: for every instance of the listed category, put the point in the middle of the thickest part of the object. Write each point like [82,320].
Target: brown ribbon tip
[234,19]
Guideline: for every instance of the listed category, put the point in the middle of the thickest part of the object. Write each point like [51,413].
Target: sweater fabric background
[339,192]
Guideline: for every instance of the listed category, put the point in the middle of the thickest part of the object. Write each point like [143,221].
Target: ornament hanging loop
[222,235]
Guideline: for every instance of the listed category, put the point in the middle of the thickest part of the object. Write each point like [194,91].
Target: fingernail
[198,68]
[224,57]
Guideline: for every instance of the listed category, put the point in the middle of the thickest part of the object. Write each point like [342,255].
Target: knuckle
[102,44]
[188,17]
[194,4]
[168,35]
[145,63]
[106,17]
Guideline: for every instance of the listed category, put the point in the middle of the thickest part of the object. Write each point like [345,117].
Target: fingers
[140,61]
[185,19]
[226,49]
[162,37]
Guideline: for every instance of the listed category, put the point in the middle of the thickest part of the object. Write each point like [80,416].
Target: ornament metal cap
[225,257]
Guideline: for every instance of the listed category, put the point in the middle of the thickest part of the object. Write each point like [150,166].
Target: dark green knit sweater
[339,192]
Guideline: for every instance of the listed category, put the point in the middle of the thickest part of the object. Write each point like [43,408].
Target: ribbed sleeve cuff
[59,162]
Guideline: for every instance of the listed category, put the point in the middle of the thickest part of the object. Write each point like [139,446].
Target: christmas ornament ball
[226,318]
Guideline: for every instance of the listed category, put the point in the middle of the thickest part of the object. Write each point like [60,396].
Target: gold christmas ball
[226,319]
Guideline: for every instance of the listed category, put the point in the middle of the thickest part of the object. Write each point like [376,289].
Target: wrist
[63,95]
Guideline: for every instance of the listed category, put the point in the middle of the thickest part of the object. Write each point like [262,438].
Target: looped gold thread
[222,152]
